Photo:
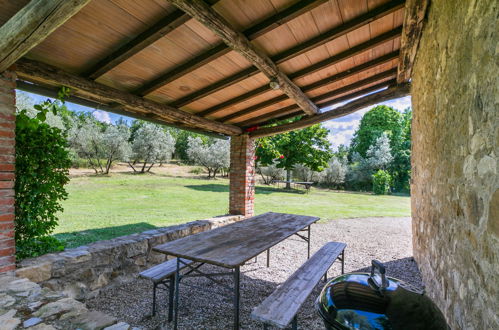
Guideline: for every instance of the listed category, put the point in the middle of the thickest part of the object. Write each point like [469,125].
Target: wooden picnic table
[306,184]
[231,246]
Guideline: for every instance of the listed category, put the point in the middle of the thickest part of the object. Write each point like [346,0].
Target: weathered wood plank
[281,306]
[415,11]
[238,42]
[88,89]
[164,270]
[301,48]
[232,245]
[385,95]
[209,55]
[31,25]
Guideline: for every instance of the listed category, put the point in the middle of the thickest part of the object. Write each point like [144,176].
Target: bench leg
[294,323]
[343,262]
[177,284]
[154,286]
[308,243]
[268,257]
[236,297]
[171,294]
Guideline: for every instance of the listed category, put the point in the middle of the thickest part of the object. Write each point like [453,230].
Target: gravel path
[385,239]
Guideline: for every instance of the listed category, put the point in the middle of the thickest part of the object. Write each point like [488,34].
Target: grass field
[105,207]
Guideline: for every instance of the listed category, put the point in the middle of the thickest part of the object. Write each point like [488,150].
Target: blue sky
[341,129]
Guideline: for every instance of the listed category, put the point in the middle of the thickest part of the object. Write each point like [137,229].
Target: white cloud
[343,128]
[102,116]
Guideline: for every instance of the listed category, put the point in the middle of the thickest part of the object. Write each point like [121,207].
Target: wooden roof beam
[84,88]
[382,96]
[415,11]
[299,49]
[323,82]
[31,25]
[213,53]
[238,42]
[160,29]
[289,112]
[310,69]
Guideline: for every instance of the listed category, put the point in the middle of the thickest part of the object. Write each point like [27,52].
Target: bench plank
[282,305]
[164,270]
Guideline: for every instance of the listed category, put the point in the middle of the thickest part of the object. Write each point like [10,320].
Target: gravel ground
[384,239]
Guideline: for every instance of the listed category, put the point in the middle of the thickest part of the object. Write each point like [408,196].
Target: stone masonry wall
[7,155]
[455,198]
[81,272]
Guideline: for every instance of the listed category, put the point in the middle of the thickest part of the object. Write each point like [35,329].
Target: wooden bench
[280,308]
[164,274]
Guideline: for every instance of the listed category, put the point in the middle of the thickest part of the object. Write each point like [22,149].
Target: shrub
[42,170]
[382,181]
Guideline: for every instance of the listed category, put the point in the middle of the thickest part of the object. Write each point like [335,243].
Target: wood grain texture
[88,89]
[216,51]
[415,11]
[385,95]
[232,245]
[283,304]
[238,42]
[164,270]
[31,25]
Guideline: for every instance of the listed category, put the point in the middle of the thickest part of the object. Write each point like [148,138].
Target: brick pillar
[242,175]
[7,157]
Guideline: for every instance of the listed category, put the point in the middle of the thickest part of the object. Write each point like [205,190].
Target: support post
[7,175]
[242,175]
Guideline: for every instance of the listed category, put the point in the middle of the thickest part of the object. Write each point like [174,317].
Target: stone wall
[7,155]
[455,198]
[81,272]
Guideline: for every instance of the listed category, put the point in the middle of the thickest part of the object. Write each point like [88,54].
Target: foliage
[309,147]
[359,174]
[215,157]
[182,142]
[115,145]
[382,181]
[151,144]
[303,173]
[373,124]
[42,170]
[379,154]
[270,173]
[334,176]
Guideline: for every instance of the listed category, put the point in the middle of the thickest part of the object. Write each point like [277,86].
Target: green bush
[197,170]
[42,170]
[382,181]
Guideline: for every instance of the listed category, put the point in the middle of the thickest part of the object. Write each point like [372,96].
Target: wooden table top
[232,245]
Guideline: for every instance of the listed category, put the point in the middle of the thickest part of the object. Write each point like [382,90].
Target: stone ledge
[81,272]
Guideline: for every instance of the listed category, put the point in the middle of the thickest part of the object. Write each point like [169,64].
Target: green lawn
[105,207]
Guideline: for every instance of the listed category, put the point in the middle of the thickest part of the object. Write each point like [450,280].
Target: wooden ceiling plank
[323,82]
[143,40]
[299,49]
[31,25]
[85,88]
[311,69]
[278,114]
[238,42]
[221,49]
[351,107]
[415,11]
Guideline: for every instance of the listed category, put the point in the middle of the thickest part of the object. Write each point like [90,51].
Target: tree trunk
[288,179]
[149,168]
[133,168]
[143,167]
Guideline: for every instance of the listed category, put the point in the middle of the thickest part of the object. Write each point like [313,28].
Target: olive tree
[334,175]
[215,157]
[151,145]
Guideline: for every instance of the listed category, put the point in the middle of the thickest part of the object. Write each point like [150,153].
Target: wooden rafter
[148,37]
[31,25]
[211,54]
[238,42]
[415,11]
[289,112]
[323,82]
[385,95]
[88,89]
[363,47]
[297,50]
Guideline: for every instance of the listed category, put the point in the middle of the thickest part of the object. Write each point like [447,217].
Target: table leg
[294,323]
[171,294]
[177,282]
[308,242]
[343,262]
[236,297]
[268,258]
